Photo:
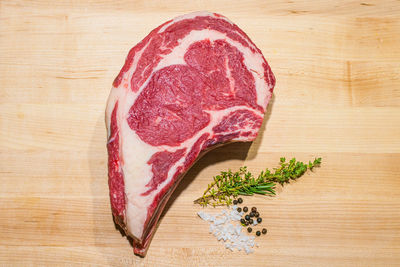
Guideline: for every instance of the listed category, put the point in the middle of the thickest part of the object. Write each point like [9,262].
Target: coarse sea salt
[222,228]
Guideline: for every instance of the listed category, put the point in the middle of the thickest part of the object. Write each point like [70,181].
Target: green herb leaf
[228,185]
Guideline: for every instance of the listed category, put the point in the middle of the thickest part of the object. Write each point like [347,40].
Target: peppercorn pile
[248,218]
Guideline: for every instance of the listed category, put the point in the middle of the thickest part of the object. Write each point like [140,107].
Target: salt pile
[222,228]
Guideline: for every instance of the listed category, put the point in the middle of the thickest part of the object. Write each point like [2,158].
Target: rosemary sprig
[228,185]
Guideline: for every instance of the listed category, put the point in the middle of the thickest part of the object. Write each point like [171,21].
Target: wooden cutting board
[337,65]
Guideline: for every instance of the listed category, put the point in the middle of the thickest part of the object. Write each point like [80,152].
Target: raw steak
[193,83]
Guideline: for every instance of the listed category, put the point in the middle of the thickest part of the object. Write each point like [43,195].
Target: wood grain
[337,65]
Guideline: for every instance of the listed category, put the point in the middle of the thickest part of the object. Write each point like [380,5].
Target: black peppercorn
[259,220]
[239,209]
[235,202]
[246,223]
[249,229]
[242,221]
[247,217]
[240,200]
[251,221]
[264,231]
[257,214]
[258,233]
[245,209]
[251,214]
[254,209]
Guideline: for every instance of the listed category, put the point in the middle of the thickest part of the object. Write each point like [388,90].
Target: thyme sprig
[228,185]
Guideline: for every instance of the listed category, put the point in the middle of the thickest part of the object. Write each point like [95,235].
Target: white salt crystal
[212,228]
[219,221]
[219,237]
[201,215]
[247,249]
[236,218]
[251,243]
[238,229]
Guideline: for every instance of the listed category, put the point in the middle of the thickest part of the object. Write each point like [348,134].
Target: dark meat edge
[139,247]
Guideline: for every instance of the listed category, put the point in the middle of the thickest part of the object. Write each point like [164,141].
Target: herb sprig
[228,185]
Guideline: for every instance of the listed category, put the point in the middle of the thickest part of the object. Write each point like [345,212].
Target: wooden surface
[337,96]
